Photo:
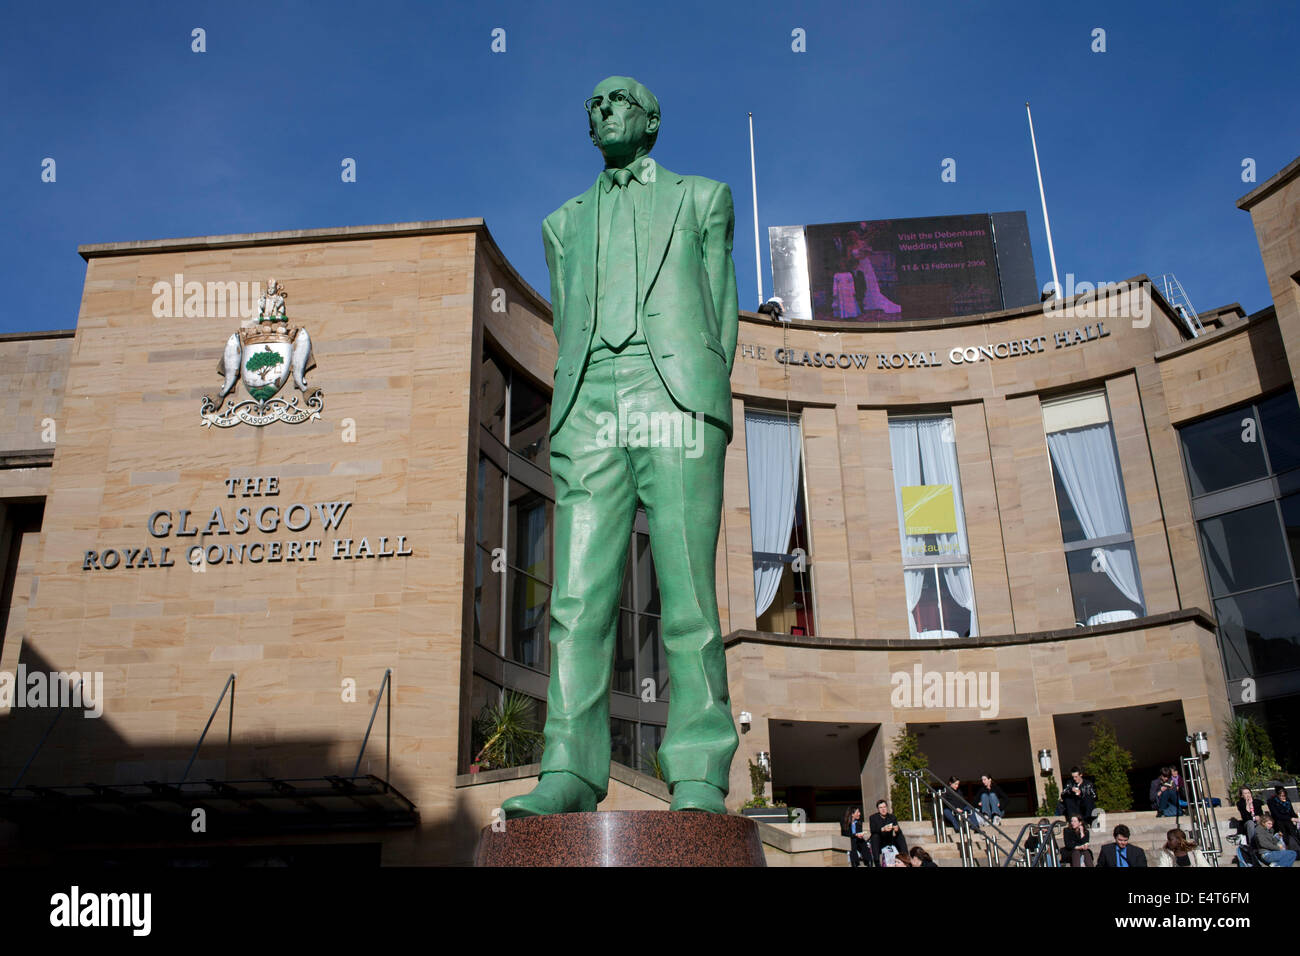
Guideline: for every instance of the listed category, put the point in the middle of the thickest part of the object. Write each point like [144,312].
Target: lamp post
[1045,768]
[1196,789]
[1200,742]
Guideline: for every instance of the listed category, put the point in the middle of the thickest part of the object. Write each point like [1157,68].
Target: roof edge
[1271,185]
[283,237]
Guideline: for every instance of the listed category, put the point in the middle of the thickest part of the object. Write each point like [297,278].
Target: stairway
[1146,831]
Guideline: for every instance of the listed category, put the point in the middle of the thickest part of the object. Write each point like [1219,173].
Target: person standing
[1079,796]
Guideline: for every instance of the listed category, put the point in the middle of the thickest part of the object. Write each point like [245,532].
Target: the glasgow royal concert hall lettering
[957,355]
[257,519]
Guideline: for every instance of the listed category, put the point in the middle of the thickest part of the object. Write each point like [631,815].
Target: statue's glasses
[620,98]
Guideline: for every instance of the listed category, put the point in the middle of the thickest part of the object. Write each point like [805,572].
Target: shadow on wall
[85,786]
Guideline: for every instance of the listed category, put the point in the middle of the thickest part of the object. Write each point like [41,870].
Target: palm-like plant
[507,730]
[1241,750]
[1250,753]
[650,764]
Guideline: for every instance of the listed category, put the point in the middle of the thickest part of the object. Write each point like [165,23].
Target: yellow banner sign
[928,509]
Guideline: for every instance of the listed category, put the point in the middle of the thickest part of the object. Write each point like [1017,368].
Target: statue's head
[623,118]
[271,286]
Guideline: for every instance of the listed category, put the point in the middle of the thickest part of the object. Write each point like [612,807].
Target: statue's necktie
[617,318]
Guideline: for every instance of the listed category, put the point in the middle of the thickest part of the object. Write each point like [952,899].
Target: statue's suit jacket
[687,300]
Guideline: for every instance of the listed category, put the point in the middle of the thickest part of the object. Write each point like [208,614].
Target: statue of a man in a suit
[643,292]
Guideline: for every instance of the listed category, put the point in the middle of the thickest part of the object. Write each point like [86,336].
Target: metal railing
[49,729]
[230,724]
[1046,853]
[385,684]
[1000,850]
[1200,809]
[997,852]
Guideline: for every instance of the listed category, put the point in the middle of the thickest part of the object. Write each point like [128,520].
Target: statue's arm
[554,263]
[719,233]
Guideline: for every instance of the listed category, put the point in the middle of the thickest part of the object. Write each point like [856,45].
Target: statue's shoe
[697,795]
[556,792]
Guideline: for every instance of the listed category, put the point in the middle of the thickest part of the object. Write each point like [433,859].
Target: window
[1242,468]
[493,379]
[512,570]
[623,741]
[932,528]
[529,573]
[488,598]
[639,654]
[783,602]
[652,736]
[1095,528]
[530,422]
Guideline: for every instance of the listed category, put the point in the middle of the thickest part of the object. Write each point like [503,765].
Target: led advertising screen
[899,269]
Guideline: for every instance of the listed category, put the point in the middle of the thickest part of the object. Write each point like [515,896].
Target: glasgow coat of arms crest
[264,357]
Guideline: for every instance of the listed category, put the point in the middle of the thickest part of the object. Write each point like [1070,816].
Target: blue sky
[1141,146]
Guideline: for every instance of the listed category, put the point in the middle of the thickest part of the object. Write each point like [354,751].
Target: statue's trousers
[625,442]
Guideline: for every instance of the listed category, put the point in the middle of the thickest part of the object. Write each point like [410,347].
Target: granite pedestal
[622,838]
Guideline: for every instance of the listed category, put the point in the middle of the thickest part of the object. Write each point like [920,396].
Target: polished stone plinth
[622,838]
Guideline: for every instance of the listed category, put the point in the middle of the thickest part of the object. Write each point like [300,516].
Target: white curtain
[924,453]
[957,581]
[913,583]
[1085,462]
[772,445]
[904,448]
[939,467]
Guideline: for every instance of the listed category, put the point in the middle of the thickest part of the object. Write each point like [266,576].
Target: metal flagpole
[753,176]
[1051,253]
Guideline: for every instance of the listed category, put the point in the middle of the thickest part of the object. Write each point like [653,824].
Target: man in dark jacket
[1079,796]
[885,830]
[1121,853]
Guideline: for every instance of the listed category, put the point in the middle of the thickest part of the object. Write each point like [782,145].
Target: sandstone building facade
[1118,541]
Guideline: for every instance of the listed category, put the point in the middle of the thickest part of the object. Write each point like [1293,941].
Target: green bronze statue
[643,292]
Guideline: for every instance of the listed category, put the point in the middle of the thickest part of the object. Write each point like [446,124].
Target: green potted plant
[757,806]
[508,733]
[1108,764]
[1051,797]
[906,755]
